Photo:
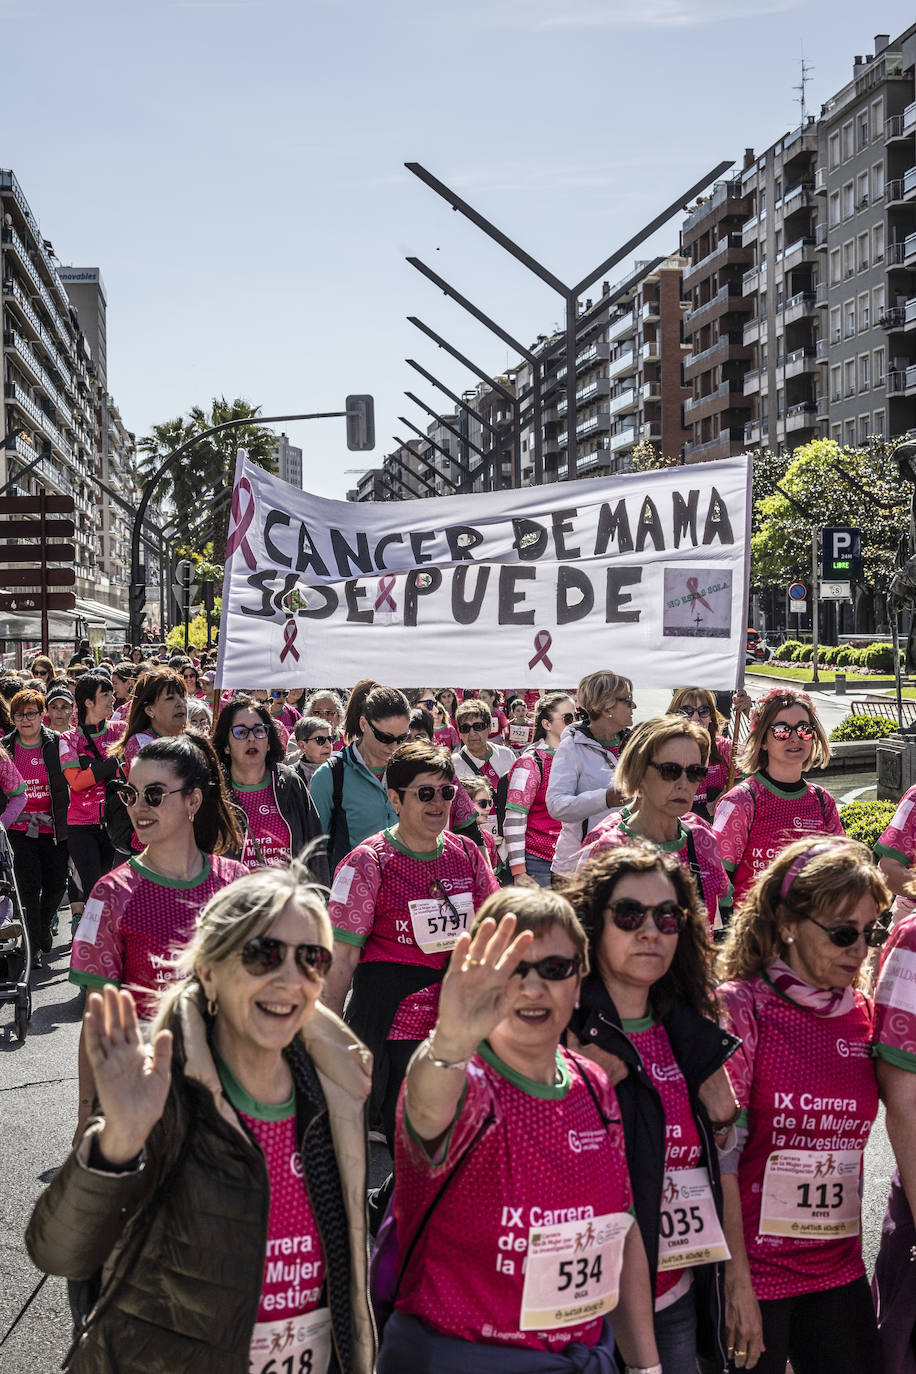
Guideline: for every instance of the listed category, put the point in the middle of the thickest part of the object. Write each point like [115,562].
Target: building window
[834,209]
[848,145]
[877,300]
[877,181]
[862,191]
[864,383]
[863,130]
[877,115]
[836,433]
[850,433]
[836,266]
[849,258]
[862,252]
[849,199]
[849,311]
[878,425]
[849,378]
[836,383]
[835,149]
[879,366]
[836,324]
[877,244]
[863,310]
[863,430]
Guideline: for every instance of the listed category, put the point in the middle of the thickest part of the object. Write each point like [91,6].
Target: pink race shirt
[756,820]
[448,737]
[548,1160]
[899,842]
[716,780]
[527,795]
[808,1085]
[135,922]
[266,831]
[30,766]
[134,745]
[895,998]
[683,1149]
[288,717]
[86,807]
[693,834]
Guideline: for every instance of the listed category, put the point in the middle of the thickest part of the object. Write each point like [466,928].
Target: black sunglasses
[276,694]
[473,725]
[553,968]
[319,739]
[264,953]
[429,702]
[690,711]
[426,791]
[384,738]
[845,936]
[154,794]
[671,772]
[628,914]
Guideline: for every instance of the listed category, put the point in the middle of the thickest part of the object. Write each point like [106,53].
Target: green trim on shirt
[251,786]
[242,1100]
[552,1092]
[640,1023]
[900,1059]
[91,980]
[412,853]
[349,937]
[514,806]
[884,851]
[741,1118]
[797,791]
[182,883]
[18,792]
[663,846]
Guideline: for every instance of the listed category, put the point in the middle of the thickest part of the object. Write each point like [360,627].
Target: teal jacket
[365,799]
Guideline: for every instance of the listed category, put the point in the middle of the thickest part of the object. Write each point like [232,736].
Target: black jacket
[60,792]
[700,1048]
[298,810]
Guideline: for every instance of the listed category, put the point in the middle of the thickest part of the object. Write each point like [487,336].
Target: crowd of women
[575,974]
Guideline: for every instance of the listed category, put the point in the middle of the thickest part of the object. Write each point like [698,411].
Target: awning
[98,613]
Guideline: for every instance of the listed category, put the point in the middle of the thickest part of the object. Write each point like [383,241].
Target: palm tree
[205,472]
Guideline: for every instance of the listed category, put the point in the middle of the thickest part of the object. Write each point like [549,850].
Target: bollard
[839,684]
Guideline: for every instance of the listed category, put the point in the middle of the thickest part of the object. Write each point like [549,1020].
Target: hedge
[878,657]
[866,820]
[863,727]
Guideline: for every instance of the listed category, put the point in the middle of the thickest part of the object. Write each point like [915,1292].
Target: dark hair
[448,692]
[179,661]
[545,707]
[86,689]
[275,751]
[689,979]
[10,684]
[150,686]
[355,703]
[384,701]
[189,667]
[421,719]
[410,760]
[125,669]
[216,831]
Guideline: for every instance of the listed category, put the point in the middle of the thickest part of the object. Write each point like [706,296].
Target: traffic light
[360,423]
[209,596]
[137,602]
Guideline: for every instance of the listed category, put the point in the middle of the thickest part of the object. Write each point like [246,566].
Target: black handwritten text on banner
[645,573]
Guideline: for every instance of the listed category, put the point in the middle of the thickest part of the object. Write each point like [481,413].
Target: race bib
[811,1194]
[437,923]
[689,1231]
[292,1345]
[519,734]
[572,1272]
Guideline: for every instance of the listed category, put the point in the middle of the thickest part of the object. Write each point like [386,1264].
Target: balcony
[800,306]
[750,282]
[601,386]
[14,340]
[620,366]
[893,192]
[622,328]
[651,391]
[727,299]
[909,250]
[14,292]
[909,314]
[650,311]
[754,330]
[626,401]
[820,237]
[752,382]
[801,416]
[722,193]
[820,181]
[894,130]
[624,438]
[17,396]
[802,250]
[720,446]
[820,294]
[798,197]
[821,350]
[650,432]
[728,249]
[650,350]
[800,361]
[752,432]
[909,184]
[729,347]
[699,407]
[595,353]
[893,318]
[595,424]
[750,229]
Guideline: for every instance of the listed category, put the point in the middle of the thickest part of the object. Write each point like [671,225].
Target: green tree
[647,458]
[205,472]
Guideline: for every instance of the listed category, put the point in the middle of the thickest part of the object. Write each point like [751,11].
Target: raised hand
[477,991]
[131,1080]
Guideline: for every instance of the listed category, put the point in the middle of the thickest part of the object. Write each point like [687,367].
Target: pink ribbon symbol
[542,642]
[241,522]
[693,587]
[384,598]
[290,630]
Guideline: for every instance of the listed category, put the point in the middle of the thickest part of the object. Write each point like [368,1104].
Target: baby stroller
[15,946]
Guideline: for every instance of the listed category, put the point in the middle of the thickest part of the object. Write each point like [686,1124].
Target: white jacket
[501,760]
[582,771]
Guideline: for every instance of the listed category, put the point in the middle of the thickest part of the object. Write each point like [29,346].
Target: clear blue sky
[235,168]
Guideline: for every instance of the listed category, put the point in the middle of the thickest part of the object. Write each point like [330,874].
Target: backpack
[115,820]
[338,831]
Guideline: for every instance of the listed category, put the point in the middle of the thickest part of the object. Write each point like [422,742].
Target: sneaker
[38,959]
[11,931]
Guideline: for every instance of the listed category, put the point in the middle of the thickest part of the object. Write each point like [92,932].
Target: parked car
[757,650]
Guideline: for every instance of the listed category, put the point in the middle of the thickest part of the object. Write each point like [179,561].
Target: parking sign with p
[841,553]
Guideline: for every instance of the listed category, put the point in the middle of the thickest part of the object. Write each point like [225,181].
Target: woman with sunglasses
[804,1076]
[529,829]
[90,739]
[140,914]
[661,765]
[649,1003]
[699,704]
[313,740]
[328,707]
[761,815]
[399,902]
[191,678]
[530,1251]
[481,796]
[581,790]
[158,707]
[280,817]
[281,709]
[42,668]
[222,1180]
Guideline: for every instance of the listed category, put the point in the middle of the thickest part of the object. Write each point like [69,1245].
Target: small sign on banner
[798,607]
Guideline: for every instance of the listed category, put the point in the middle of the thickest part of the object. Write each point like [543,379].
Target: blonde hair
[595,690]
[829,883]
[754,754]
[236,914]
[649,735]
[538,910]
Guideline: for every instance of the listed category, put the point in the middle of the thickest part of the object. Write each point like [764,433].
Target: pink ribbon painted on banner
[237,539]
[384,598]
[693,587]
[290,630]
[542,642]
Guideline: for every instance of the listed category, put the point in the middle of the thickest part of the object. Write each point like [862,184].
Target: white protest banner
[645,574]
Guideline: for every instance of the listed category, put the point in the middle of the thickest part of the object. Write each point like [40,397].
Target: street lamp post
[569,294]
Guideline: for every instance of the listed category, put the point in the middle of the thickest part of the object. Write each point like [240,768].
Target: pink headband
[798,863]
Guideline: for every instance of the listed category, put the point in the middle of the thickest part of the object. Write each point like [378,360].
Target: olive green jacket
[182,1239]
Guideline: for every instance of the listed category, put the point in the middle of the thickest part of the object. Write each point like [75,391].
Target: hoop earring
[212,1007]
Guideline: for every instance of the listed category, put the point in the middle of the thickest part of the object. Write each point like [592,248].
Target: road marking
[854,795]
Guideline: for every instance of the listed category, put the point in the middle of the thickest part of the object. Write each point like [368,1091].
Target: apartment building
[289,461]
[719,354]
[784,289]
[866,186]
